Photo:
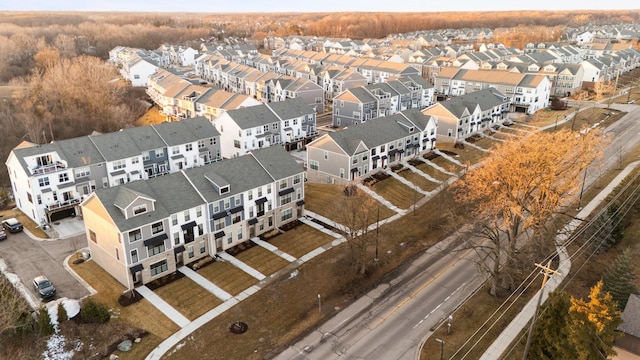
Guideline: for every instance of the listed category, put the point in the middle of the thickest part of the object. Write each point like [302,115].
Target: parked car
[44,287]
[12,225]
[3,235]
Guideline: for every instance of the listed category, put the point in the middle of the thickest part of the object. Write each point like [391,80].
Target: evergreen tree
[551,333]
[593,325]
[619,278]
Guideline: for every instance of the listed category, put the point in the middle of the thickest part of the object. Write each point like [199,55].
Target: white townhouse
[50,180]
[138,68]
[291,123]
[144,230]
[360,150]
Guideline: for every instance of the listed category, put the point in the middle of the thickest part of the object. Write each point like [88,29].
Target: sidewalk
[516,326]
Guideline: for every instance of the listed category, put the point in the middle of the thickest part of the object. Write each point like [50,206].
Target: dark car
[12,225]
[44,287]
[3,235]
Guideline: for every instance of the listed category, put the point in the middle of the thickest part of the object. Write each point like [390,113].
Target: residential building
[144,230]
[50,180]
[357,151]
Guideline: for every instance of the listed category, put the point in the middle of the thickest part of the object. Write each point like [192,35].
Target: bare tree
[14,311]
[518,188]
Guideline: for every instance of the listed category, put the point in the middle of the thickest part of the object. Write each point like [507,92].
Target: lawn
[262,260]
[503,136]
[431,171]
[397,193]
[152,116]
[468,155]
[227,277]
[141,315]
[486,143]
[418,180]
[446,164]
[591,116]
[546,117]
[300,240]
[189,298]
[321,199]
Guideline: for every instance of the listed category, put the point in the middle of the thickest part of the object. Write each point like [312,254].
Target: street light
[319,304]
[441,348]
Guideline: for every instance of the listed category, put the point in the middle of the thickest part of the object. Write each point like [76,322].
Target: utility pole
[615,87]
[547,271]
[377,233]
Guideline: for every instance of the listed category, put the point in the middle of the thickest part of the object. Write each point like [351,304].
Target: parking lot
[28,258]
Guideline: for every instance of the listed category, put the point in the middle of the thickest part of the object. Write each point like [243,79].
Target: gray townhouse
[358,151]
[144,230]
[357,105]
[50,180]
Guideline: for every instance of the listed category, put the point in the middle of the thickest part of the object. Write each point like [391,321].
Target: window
[135,235]
[355,160]
[29,198]
[176,238]
[298,194]
[117,253]
[283,183]
[199,211]
[188,147]
[285,199]
[39,199]
[250,211]
[235,218]
[342,173]
[200,144]
[155,250]
[229,238]
[213,141]
[248,132]
[227,203]
[157,228]
[174,219]
[266,128]
[92,236]
[260,191]
[134,255]
[137,210]
[296,179]
[200,229]
[135,160]
[190,251]
[160,153]
[83,172]
[203,247]
[326,155]
[237,200]
[187,216]
[269,189]
[364,157]
[239,234]
[286,214]
[146,156]
[236,144]
[295,121]
[219,224]
[119,164]
[43,181]
[250,195]
[158,267]
[382,147]
[175,150]
[275,126]
[314,165]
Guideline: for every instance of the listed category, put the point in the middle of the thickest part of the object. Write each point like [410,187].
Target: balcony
[50,168]
[61,205]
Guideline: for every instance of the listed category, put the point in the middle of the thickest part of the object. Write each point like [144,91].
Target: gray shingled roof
[186,131]
[486,99]
[291,108]
[362,94]
[253,116]
[277,162]
[116,145]
[631,317]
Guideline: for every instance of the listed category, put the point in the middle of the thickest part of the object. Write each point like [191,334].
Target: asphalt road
[28,258]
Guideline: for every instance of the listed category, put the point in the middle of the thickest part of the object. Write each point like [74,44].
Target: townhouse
[291,123]
[357,105]
[358,151]
[469,114]
[336,80]
[528,93]
[144,230]
[50,180]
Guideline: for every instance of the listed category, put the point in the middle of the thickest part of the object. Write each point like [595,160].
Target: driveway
[28,258]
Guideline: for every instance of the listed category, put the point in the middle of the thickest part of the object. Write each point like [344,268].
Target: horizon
[327,6]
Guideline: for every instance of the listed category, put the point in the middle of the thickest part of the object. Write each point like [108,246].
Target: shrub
[43,323]
[62,313]
[93,312]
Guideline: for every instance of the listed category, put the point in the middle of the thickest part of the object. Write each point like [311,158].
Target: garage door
[62,214]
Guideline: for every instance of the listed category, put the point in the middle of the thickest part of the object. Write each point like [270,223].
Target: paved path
[273,249]
[514,329]
[415,187]
[384,201]
[242,266]
[163,306]
[448,157]
[419,172]
[435,166]
[205,283]
[467,143]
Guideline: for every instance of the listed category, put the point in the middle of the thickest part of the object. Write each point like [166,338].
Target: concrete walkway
[319,227]
[384,201]
[242,266]
[448,157]
[163,306]
[205,283]
[437,167]
[419,172]
[415,187]
[273,249]
[467,143]
[514,329]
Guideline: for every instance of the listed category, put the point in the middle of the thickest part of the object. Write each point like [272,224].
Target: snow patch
[17,283]
[56,343]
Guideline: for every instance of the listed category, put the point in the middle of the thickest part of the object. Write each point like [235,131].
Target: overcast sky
[311,5]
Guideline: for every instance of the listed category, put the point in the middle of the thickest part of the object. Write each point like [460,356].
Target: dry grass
[397,193]
[227,277]
[321,199]
[468,155]
[300,240]
[27,223]
[141,315]
[262,260]
[635,96]
[591,116]
[503,136]
[7,90]
[547,117]
[189,298]
[487,143]
[418,180]
[152,116]
[433,172]
[447,165]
